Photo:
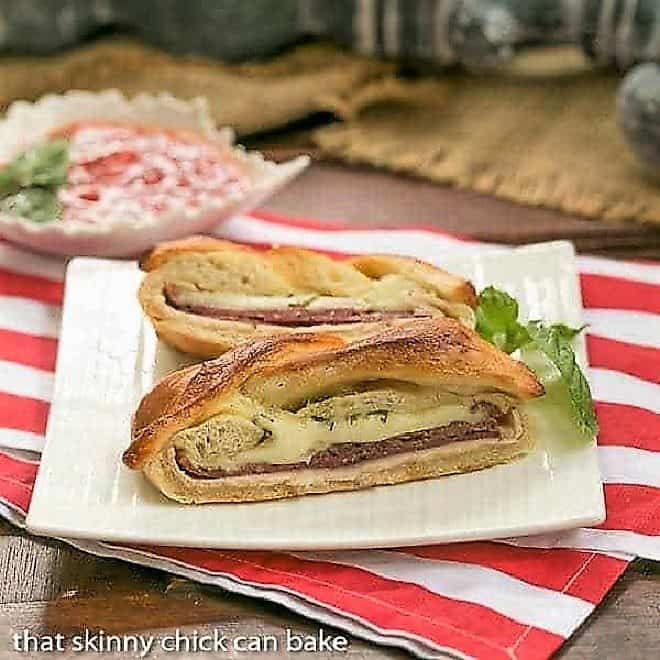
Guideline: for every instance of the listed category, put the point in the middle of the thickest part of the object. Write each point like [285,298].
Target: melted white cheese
[392,292]
[389,292]
[290,437]
[249,302]
[294,439]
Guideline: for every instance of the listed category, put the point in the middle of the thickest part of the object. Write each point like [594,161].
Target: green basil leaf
[562,330]
[546,348]
[44,164]
[28,184]
[555,342]
[497,320]
[8,180]
[551,414]
[37,204]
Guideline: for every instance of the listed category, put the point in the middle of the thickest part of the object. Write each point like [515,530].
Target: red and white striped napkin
[518,599]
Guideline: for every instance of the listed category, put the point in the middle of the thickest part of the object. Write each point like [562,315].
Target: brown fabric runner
[249,97]
[545,139]
[549,142]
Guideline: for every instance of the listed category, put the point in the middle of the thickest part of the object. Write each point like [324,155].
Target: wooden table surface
[47,587]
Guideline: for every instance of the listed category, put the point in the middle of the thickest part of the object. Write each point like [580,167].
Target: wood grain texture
[69,591]
[369,197]
[48,587]
[551,141]
[625,625]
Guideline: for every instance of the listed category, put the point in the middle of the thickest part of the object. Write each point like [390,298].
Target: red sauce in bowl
[126,170]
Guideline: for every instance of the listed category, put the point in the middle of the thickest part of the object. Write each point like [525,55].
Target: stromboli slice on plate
[313,413]
[205,295]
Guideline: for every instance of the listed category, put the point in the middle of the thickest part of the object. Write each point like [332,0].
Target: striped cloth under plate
[515,599]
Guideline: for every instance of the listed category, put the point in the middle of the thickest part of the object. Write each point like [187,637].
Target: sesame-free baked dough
[314,413]
[204,295]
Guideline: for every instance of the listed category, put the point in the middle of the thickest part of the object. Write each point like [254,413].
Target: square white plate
[109,357]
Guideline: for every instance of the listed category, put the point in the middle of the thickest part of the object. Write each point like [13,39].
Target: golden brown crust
[200,263]
[426,352]
[163,252]
[181,399]
[449,286]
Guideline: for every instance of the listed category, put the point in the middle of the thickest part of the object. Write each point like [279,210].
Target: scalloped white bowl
[26,123]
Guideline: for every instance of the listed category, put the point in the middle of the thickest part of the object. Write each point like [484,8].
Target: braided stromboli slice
[204,295]
[313,413]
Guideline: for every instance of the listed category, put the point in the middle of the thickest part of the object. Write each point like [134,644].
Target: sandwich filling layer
[350,453]
[293,310]
[343,429]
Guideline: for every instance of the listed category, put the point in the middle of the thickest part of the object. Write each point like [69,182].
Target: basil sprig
[497,322]
[29,183]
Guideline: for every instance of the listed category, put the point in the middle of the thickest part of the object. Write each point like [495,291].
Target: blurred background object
[639,113]
[476,33]
[228,29]
[237,54]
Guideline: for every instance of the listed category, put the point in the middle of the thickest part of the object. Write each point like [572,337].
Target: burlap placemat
[548,139]
[249,97]
[548,142]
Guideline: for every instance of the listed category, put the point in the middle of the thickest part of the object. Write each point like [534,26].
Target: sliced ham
[295,316]
[350,453]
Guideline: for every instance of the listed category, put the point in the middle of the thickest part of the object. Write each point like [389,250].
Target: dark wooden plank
[119,598]
[36,569]
[367,197]
[625,625]
[83,592]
